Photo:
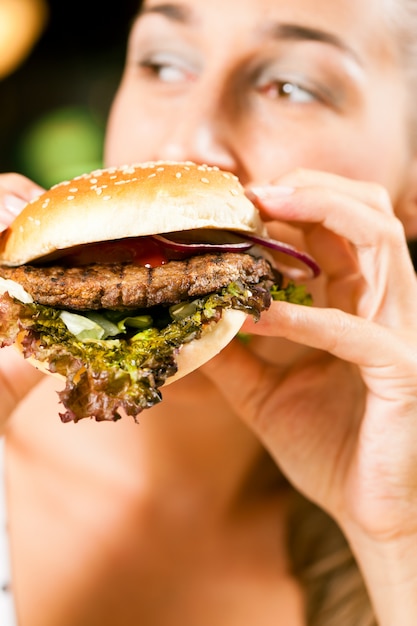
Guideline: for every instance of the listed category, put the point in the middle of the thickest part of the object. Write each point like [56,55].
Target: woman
[218,508]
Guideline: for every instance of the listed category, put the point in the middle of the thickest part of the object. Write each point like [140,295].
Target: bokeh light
[21,24]
[60,145]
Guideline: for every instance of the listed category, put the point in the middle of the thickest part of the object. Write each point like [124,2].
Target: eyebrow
[305,33]
[176,12]
[283,31]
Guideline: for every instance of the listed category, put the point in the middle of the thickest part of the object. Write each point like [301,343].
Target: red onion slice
[285,248]
[204,246]
[212,240]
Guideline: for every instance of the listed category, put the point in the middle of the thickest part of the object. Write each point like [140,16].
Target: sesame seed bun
[130,201]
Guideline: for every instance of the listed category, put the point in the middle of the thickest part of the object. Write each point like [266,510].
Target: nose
[199,133]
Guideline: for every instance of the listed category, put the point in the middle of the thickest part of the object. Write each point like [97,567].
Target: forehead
[330,12]
[360,24]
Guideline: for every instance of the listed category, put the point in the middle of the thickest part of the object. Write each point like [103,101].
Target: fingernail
[35,193]
[271,192]
[14,204]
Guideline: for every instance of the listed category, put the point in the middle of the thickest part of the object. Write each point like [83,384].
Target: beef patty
[126,286]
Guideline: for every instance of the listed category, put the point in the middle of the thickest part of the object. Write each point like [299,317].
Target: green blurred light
[61,145]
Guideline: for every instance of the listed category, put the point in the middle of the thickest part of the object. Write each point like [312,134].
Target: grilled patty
[126,286]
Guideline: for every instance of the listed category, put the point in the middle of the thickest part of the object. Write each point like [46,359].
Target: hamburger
[124,279]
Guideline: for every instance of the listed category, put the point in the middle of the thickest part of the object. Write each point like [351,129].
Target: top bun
[129,201]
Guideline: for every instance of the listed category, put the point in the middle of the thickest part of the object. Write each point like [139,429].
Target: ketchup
[139,251]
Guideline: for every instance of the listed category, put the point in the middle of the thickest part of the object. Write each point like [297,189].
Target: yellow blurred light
[21,24]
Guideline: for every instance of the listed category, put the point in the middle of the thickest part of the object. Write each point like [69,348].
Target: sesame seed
[70,197]
[178,175]
[205,180]
[234,192]
[106,197]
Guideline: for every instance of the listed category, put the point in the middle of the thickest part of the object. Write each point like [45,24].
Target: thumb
[244,380]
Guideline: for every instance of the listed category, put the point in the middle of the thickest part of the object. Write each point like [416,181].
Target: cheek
[346,150]
[273,147]
[271,155]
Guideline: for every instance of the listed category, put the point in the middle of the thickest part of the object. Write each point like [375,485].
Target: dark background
[75,67]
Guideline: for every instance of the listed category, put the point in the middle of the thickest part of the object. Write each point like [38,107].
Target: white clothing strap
[7,608]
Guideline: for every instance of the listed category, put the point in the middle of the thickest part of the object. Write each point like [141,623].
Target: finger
[369,193]
[19,186]
[389,289]
[348,337]
[9,209]
[15,192]
[340,213]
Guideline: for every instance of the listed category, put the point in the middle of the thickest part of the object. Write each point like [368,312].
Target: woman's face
[260,87]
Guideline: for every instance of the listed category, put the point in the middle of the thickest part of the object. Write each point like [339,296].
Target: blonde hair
[323,563]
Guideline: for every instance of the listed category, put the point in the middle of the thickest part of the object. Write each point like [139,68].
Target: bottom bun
[216,337]
[191,355]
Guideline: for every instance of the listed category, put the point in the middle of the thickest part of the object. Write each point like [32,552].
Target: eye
[287,90]
[167,68]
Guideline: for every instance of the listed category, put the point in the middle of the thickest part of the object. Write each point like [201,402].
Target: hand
[15,192]
[16,376]
[341,421]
